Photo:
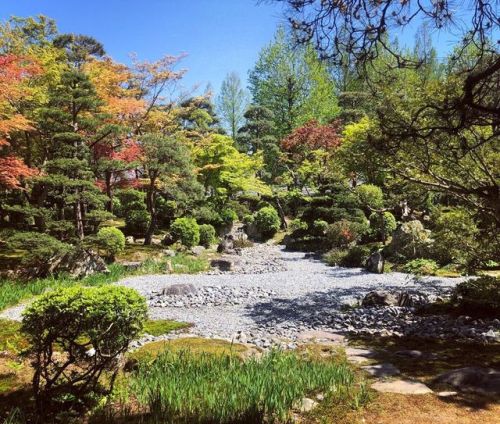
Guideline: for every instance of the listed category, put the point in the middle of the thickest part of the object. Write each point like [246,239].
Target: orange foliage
[12,169]
[313,136]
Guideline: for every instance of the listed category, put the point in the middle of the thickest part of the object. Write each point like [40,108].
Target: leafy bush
[207,215]
[319,227]
[370,195]
[228,216]
[75,334]
[130,199]
[342,233]
[187,231]
[479,296]
[111,240]
[356,256]
[382,225]
[267,221]
[137,222]
[335,257]
[421,267]
[410,241]
[39,248]
[202,388]
[248,219]
[297,224]
[207,235]
[455,236]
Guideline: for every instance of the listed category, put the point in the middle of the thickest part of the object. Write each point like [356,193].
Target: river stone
[404,387]
[197,250]
[375,263]
[179,290]
[222,264]
[379,298]
[472,379]
[307,405]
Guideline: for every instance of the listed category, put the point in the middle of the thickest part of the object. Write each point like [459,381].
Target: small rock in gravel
[404,387]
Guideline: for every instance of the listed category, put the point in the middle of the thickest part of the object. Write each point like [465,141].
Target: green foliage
[455,238]
[319,227]
[228,216]
[297,224]
[356,256]
[267,221]
[370,196]
[186,230]
[75,320]
[421,267]
[207,214]
[248,219]
[335,256]
[207,235]
[221,388]
[159,327]
[38,248]
[343,233]
[479,296]
[130,199]
[137,222]
[382,225]
[111,240]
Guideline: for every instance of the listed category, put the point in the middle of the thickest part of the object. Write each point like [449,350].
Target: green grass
[183,387]
[163,326]
[13,292]
[11,339]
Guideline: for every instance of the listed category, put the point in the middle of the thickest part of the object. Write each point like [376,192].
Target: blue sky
[219,36]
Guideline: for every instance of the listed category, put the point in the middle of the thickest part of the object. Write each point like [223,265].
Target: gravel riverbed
[272,296]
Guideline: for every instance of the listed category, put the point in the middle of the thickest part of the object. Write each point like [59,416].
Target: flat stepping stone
[479,380]
[404,387]
[318,335]
[354,351]
[357,359]
[381,370]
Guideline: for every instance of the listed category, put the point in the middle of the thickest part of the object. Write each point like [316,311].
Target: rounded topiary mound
[137,222]
[207,235]
[76,334]
[186,230]
[267,221]
[111,240]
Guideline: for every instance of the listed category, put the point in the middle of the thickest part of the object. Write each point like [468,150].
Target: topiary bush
[186,230]
[267,221]
[39,248]
[478,297]
[370,196]
[111,240]
[382,225]
[207,215]
[228,216]
[343,233]
[207,235]
[421,267]
[455,238]
[137,222]
[76,334]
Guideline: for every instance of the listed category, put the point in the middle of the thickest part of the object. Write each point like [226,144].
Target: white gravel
[306,288]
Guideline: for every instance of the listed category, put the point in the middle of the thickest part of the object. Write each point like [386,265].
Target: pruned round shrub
[111,240]
[370,195]
[248,219]
[186,230]
[228,216]
[382,225]
[455,238]
[343,233]
[207,215]
[77,333]
[267,221]
[39,248]
[480,296]
[421,267]
[207,235]
[335,257]
[319,227]
[137,222]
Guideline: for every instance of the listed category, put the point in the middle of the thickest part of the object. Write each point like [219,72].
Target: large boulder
[479,380]
[384,298]
[179,290]
[410,241]
[226,245]
[79,263]
[375,263]
[223,264]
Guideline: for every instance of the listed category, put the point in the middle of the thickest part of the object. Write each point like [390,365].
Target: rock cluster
[207,296]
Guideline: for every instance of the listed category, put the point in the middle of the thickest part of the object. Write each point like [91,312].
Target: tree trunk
[109,191]
[150,204]
[79,219]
